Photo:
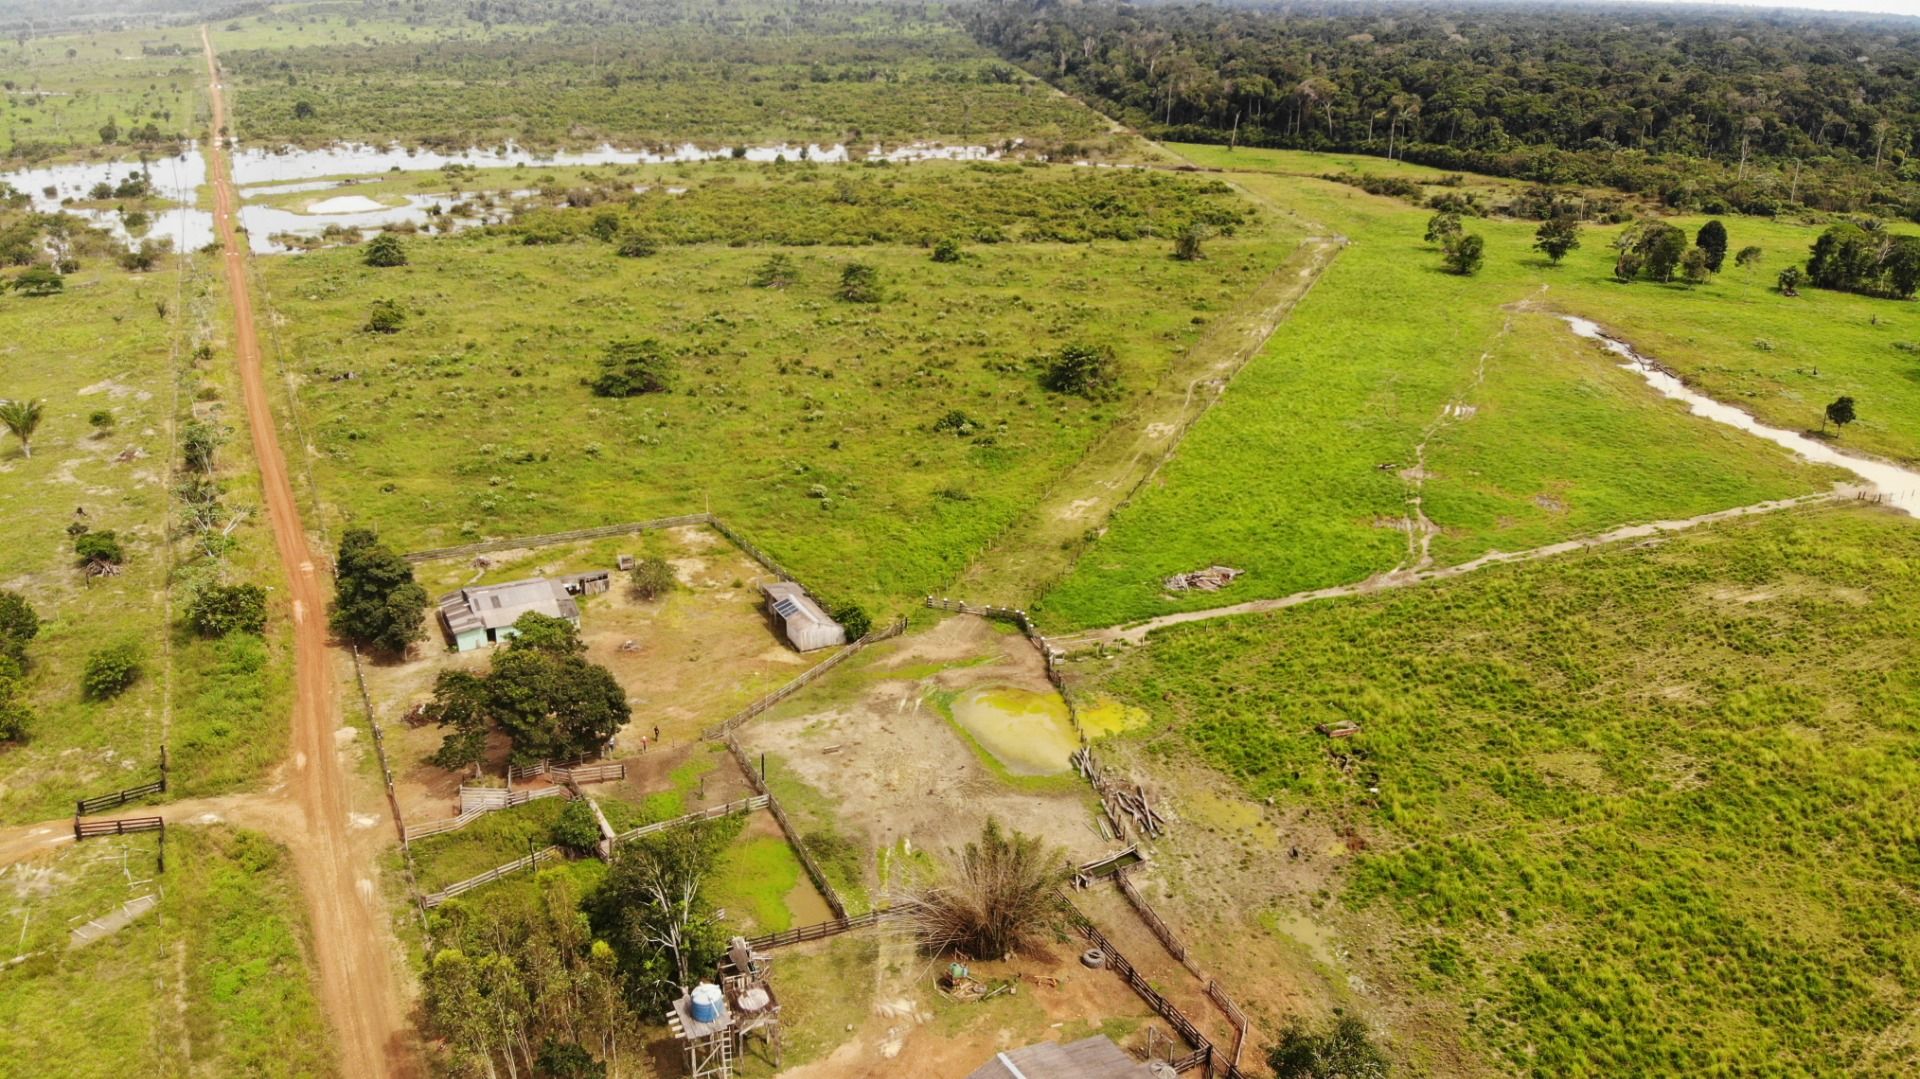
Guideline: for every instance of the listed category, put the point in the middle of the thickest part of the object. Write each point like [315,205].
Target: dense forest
[1750,110]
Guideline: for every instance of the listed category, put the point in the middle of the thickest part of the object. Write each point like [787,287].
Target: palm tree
[22,418]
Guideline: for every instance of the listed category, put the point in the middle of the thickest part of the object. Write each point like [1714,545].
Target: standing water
[1899,486]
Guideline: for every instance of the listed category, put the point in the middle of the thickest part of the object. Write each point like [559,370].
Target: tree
[376,602]
[1085,370]
[776,272]
[1187,244]
[217,610]
[1442,225]
[1839,413]
[1748,257]
[854,619]
[653,909]
[1556,236]
[1662,248]
[946,250]
[652,578]
[1626,266]
[39,281]
[1712,239]
[577,829]
[385,250]
[630,368]
[553,704]
[110,670]
[385,316]
[1342,1051]
[859,283]
[460,703]
[18,625]
[199,442]
[546,633]
[22,419]
[98,549]
[1790,281]
[303,110]
[1696,266]
[1463,253]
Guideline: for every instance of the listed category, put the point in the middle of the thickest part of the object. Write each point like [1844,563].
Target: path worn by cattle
[1137,632]
[352,946]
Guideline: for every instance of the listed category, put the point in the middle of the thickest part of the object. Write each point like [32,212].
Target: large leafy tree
[376,602]
[541,691]
[1712,239]
[653,909]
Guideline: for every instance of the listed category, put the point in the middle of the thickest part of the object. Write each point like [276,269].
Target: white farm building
[806,626]
[485,614]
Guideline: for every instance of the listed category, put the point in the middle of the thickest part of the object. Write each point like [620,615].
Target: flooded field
[1899,486]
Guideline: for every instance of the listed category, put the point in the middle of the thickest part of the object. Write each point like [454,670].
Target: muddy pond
[1030,732]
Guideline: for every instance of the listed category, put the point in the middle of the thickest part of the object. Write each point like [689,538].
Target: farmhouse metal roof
[496,606]
[1089,1058]
[792,603]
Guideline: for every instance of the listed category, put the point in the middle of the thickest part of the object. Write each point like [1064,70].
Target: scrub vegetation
[1642,805]
[213,980]
[822,428]
[1346,414]
[545,77]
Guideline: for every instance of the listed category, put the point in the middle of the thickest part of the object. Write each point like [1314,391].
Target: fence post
[163,769]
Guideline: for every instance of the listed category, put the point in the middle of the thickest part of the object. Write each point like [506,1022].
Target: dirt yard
[901,775]
[687,660]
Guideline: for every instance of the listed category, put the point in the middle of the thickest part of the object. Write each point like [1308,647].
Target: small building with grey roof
[485,614]
[806,626]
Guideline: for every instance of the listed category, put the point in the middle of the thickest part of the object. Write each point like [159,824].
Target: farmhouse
[1088,1058]
[485,614]
[807,626]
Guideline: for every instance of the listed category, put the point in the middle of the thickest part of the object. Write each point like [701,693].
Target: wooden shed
[806,626]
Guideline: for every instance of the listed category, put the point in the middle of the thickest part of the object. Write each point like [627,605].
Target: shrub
[859,283]
[854,619]
[99,548]
[101,420]
[1790,281]
[776,272]
[1187,245]
[636,245]
[946,250]
[577,829]
[1083,370]
[1462,253]
[385,250]
[385,316]
[217,610]
[38,281]
[1442,225]
[18,624]
[631,368]
[1342,1051]
[652,578]
[999,900]
[110,670]
[1712,239]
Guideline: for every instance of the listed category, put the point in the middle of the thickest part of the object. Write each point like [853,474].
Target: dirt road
[352,946]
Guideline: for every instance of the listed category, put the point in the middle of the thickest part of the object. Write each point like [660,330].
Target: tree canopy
[376,602]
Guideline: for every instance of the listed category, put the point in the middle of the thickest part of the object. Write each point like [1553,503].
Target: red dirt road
[359,990]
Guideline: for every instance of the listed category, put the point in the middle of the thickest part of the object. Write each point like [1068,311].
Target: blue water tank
[704,1003]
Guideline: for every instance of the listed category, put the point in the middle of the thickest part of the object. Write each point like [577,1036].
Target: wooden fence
[814,872]
[744,805]
[589,773]
[723,730]
[1235,1016]
[526,863]
[820,930]
[411,832]
[1154,922]
[490,798]
[91,829]
[551,538]
[88,806]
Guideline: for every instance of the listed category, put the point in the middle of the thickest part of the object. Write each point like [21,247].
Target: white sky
[1895,7]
